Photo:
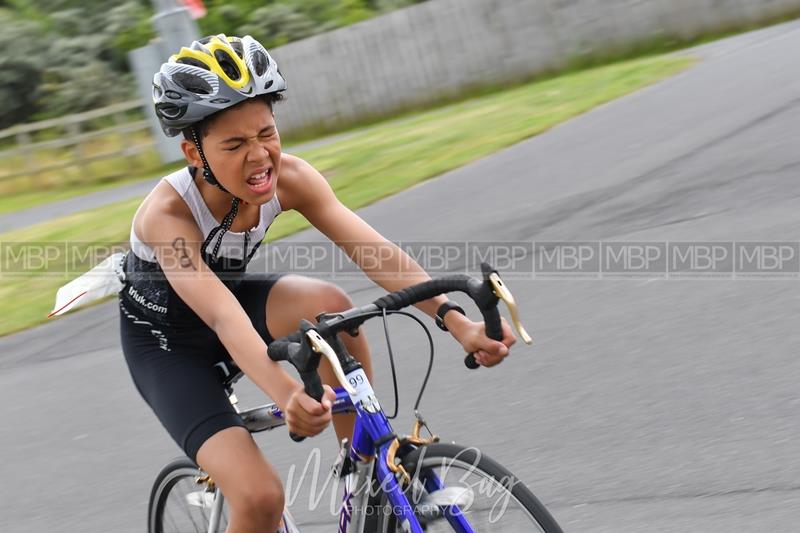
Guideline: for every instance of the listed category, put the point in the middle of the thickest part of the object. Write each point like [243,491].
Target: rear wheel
[179,503]
[452,485]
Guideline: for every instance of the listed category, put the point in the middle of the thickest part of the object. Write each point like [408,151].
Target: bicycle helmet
[214,73]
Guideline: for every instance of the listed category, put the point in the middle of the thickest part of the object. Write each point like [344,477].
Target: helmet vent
[260,63]
[170,111]
[237,47]
[193,62]
[228,66]
[191,83]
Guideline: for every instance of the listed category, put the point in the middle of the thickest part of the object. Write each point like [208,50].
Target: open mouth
[261,182]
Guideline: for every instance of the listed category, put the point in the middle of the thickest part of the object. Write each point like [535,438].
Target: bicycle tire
[168,483]
[439,454]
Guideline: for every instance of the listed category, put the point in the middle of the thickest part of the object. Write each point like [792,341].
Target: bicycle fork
[355,499]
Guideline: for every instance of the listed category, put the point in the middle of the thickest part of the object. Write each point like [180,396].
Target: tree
[20,69]
[63,56]
[278,24]
[80,58]
[127,26]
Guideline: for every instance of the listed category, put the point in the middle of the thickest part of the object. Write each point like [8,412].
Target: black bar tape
[417,293]
[494,327]
[279,350]
[494,330]
[313,387]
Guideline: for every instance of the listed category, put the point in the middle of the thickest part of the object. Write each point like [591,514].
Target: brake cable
[391,359]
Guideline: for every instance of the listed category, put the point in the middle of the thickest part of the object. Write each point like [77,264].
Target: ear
[191,153]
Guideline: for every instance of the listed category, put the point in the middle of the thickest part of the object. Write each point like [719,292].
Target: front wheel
[460,489]
[182,502]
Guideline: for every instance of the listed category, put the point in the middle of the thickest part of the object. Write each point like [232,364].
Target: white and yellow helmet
[213,74]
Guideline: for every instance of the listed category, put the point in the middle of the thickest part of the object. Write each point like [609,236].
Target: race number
[358,380]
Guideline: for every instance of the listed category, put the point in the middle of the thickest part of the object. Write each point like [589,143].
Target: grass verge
[31,198]
[371,164]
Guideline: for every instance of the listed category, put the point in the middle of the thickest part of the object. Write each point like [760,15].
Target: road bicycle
[391,483]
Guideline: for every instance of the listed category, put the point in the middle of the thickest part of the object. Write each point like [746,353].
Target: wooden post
[73,127]
[24,144]
[128,151]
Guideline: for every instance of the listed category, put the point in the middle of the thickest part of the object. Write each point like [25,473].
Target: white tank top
[232,245]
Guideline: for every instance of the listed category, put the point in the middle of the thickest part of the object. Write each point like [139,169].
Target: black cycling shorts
[174,366]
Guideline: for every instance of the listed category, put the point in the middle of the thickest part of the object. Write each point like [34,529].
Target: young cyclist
[188,304]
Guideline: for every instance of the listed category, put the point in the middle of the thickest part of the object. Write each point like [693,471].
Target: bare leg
[250,484]
[295,297]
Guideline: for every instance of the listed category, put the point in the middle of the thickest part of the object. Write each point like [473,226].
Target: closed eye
[265,133]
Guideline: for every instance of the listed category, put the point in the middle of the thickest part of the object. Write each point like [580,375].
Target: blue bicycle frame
[373,427]
[372,438]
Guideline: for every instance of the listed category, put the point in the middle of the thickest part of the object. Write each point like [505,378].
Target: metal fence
[75,141]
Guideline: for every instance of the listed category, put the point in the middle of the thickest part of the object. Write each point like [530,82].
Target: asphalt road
[645,405]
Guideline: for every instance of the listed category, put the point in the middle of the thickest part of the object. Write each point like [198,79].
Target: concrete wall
[440,48]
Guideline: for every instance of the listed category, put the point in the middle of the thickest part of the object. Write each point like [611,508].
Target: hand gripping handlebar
[304,348]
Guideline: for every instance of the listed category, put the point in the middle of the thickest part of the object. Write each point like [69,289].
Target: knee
[261,502]
[332,298]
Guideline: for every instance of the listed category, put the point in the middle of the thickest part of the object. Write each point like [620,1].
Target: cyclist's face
[243,149]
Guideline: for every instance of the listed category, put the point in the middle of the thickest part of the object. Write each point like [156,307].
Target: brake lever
[501,291]
[321,347]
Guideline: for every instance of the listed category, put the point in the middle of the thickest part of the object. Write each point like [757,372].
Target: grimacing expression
[243,149]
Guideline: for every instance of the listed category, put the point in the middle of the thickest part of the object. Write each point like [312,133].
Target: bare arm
[380,259]
[311,195]
[168,228]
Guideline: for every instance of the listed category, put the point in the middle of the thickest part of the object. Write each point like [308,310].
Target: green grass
[375,162]
[28,288]
[389,157]
[62,177]
[32,198]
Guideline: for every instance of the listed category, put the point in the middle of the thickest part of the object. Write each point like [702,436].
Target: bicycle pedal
[343,465]
[200,498]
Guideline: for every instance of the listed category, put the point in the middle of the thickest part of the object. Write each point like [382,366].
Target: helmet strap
[222,229]
[207,174]
[227,221]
